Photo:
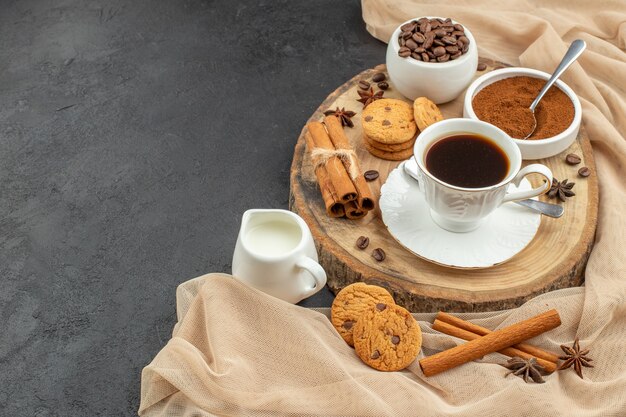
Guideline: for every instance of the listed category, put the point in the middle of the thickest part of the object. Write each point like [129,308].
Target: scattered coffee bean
[378,254]
[433,40]
[383,85]
[481,67]
[572,159]
[584,172]
[370,175]
[362,242]
[395,340]
[381,306]
[375,355]
[364,85]
[378,77]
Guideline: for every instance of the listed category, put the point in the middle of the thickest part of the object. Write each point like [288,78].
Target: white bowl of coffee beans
[431,57]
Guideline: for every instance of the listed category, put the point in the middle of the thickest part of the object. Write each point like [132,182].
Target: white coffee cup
[275,253]
[460,209]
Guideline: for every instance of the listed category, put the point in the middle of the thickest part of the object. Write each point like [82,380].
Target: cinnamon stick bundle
[492,342]
[333,207]
[365,199]
[343,186]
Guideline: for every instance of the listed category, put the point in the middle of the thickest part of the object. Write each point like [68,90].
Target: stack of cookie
[389,129]
[384,335]
[390,126]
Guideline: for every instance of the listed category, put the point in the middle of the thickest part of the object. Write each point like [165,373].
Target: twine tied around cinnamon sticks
[343,187]
[347,156]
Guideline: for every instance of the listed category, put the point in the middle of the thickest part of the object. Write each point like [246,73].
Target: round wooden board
[554,259]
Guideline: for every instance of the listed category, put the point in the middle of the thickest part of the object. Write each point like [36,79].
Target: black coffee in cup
[467,160]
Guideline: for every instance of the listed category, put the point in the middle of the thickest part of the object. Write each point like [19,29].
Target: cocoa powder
[505,104]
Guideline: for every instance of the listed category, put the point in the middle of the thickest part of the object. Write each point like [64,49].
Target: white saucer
[503,234]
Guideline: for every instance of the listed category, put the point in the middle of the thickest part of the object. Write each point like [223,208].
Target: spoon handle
[575,49]
[547,209]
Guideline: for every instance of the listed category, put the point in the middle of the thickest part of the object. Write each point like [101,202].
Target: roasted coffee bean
[438,42]
[457,33]
[430,37]
[416,55]
[378,77]
[408,27]
[481,67]
[383,85]
[584,172]
[418,37]
[443,58]
[370,175]
[419,50]
[447,20]
[364,85]
[402,41]
[404,52]
[425,27]
[406,35]
[440,33]
[362,242]
[449,40]
[453,49]
[422,20]
[455,56]
[411,44]
[572,159]
[460,44]
[458,27]
[465,48]
[379,255]
[431,55]
[439,51]
[425,57]
[434,24]
[464,39]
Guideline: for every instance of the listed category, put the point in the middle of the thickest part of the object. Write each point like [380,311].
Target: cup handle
[410,168]
[530,169]
[316,271]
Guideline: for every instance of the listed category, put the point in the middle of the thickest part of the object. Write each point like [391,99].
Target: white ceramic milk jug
[275,253]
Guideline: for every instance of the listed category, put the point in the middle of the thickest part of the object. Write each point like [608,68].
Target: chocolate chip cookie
[351,302]
[387,337]
[389,121]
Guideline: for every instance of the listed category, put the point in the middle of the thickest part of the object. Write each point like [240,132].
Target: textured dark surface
[133,136]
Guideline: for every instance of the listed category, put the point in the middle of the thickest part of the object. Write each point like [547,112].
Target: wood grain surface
[554,259]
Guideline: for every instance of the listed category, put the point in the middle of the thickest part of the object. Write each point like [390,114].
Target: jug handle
[316,271]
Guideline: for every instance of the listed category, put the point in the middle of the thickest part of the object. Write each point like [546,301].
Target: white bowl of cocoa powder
[498,96]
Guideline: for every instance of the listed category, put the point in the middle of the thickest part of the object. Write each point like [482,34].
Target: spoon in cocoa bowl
[575,49]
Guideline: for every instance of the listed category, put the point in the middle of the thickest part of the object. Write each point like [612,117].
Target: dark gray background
[133,136]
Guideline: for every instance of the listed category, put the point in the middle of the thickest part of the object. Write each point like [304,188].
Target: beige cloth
[236,351]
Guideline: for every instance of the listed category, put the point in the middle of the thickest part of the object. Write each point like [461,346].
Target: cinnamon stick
[452,330]
[492,342]
[353,211]
[481,331]
[365,198]
[334,167]
[333,207]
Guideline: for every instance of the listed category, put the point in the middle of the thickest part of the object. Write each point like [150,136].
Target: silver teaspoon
[575,49]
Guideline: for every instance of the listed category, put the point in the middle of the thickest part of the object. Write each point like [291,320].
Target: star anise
[562,189]
[525,368]
[369,96]
[575,356]
[343,115]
